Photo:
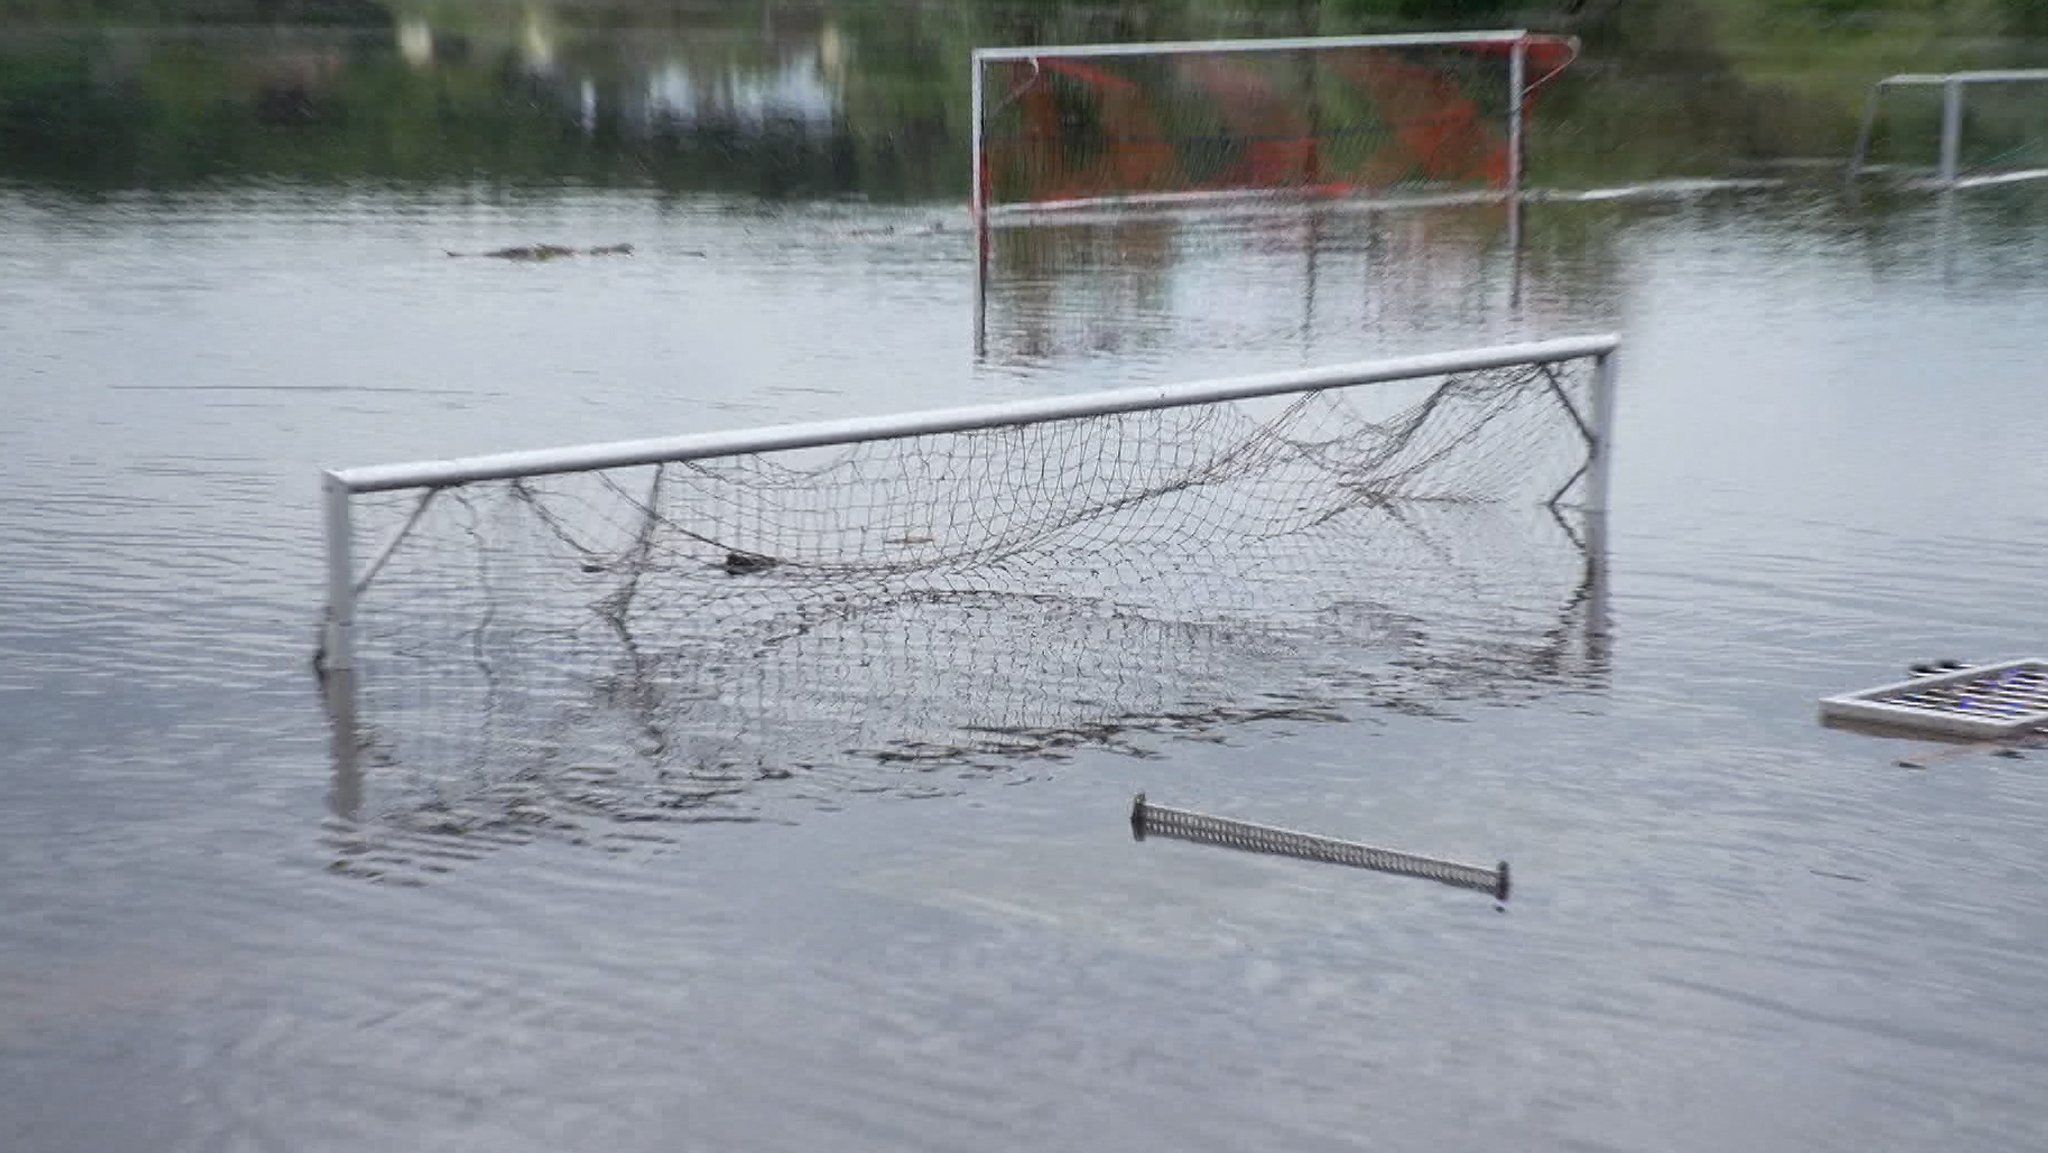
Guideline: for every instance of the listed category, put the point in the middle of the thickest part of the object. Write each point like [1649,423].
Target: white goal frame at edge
[1954,86]
[1518,88]
[345,582]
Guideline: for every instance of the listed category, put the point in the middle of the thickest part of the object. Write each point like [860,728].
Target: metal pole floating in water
[1159,821]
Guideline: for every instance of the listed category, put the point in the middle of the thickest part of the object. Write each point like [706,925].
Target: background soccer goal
[1436,115]
[1960,127]
[679,618]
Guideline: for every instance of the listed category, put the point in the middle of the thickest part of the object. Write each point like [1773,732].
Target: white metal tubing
[1988,76]
[1864,130]
[1604,377]
[1951,128]
[2002,178]
[974,195]
[338,645]
[628,454]
[1282,44]
[1518,64]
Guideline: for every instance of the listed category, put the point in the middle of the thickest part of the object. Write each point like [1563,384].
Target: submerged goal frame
[1954,86]
[345,581]
[1517,40]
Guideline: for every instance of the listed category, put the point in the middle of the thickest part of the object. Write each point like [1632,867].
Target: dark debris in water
[2010,749]
[530,253]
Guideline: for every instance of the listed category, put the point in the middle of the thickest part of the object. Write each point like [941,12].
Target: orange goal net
[1334,116]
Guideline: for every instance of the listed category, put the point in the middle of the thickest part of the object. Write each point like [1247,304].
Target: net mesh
[1325,121]
[2004,129]
[651,641]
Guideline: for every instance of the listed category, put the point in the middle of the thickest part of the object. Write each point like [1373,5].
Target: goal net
[1420,115]
[1960,127]
[656,627]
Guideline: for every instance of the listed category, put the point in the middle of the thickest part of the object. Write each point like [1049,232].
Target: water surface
[1732,927]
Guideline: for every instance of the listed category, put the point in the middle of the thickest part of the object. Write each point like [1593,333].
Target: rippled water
[1733,928]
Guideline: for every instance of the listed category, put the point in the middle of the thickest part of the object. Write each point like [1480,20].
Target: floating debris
[1986,702]
[540,252]
[738,563]
[1159,821]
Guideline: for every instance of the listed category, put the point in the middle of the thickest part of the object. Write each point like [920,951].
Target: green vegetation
[186,13]
[164,93]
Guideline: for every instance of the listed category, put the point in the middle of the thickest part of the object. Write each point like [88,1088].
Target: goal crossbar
[1981,76]
[1275,44]
[698,446]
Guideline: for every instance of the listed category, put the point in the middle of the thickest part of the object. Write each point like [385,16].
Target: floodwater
[1732,927]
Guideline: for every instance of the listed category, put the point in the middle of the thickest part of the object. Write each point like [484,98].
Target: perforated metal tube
[1181,824]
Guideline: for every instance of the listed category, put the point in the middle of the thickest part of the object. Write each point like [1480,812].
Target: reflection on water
[567,653]
[1135,287]
[701,107]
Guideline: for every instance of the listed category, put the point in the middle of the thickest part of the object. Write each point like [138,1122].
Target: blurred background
[780,98]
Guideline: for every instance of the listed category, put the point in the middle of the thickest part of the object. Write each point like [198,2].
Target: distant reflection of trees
[815,97]
[406,101]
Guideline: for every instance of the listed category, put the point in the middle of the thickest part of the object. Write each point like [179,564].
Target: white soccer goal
[1429,115]
[684,615]
[1965,127]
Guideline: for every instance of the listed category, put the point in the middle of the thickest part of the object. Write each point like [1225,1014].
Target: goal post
[1986,126]
[427,478]
[1426,115]
[1024,575]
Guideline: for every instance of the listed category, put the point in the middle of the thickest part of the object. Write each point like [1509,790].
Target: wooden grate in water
[1986,701]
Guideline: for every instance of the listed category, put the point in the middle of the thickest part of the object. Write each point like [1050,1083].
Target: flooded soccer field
[1731,926]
